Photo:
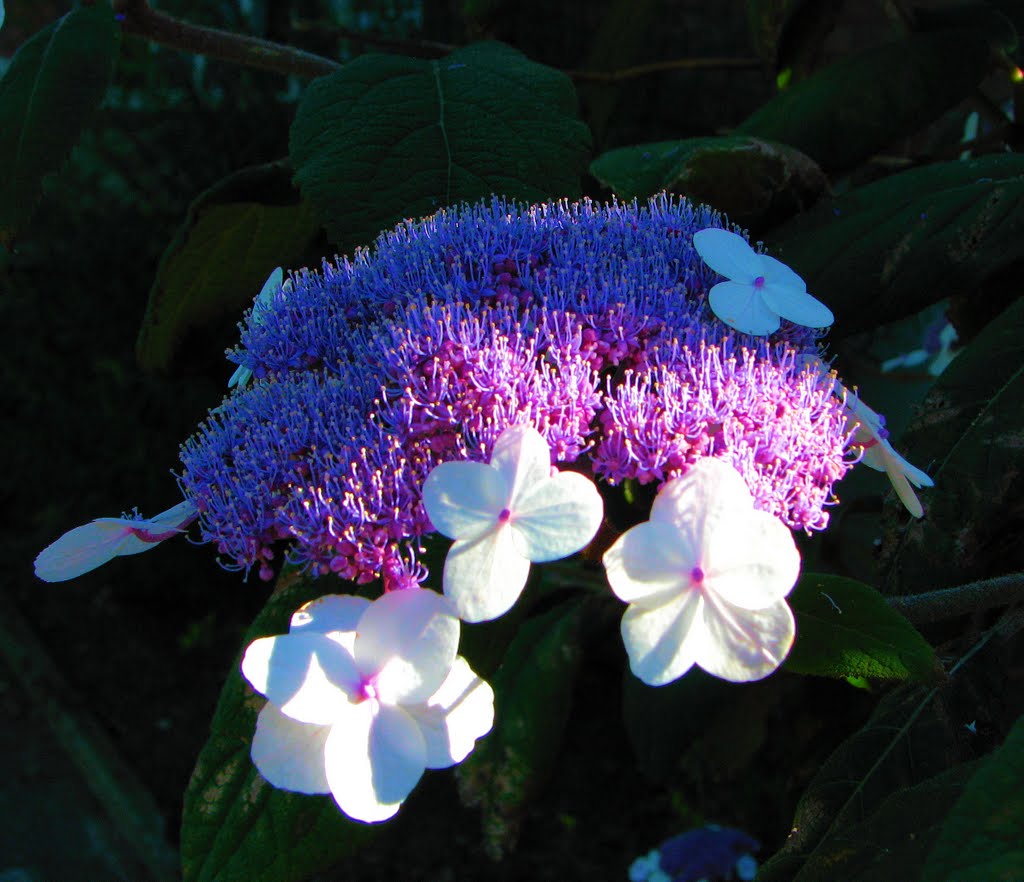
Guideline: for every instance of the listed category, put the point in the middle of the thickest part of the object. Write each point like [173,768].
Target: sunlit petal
[728,254]
[741,644]
[659,641]
[557,516]
[463,499]
[797,306]
[741,307]
[649,563]
[485,577]
[290,754]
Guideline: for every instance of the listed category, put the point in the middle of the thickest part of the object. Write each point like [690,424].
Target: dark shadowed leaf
[236,827]
[846,629]
[981,838]
[843,113]
[533,695]
[756,183]
[233,237]
[389,137]
[887,250]
[51,90]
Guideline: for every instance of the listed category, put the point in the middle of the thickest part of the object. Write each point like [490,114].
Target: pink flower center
[368,690]
[759,282]
[505,516]
[696,577]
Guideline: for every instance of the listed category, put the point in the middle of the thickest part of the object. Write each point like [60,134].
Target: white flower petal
[463,499]
[333,612]
[308,676]
[459,713]
[729,255]
[649,563]
[556,517]
[83,549]
[374,756]
[172,521]
[741,644]
[703,501]
[406,642]
[290,754]
[742,307]
[485,577]
[523,458]
[660,641]
[797,306]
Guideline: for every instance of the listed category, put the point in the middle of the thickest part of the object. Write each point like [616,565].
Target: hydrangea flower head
[505,515]
[84,548]
[759,289]
[273,284]
[363,697]
[706,580]
[707,853]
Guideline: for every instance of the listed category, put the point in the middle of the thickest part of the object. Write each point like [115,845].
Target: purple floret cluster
[589,322]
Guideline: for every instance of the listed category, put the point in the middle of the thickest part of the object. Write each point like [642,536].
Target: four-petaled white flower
[84,548]
[275,282]
[705,579]
[363,697]
[880,455]
[504,515]
[759,289]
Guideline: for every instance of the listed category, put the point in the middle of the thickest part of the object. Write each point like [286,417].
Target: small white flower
[880,455]
[705,579]
[504,515]
[92,545]
[363,697]
[271,286]
[759,289]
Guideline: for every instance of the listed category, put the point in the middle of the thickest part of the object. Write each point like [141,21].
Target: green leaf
[389,137]
[887,250]
[234,235]
[974,519]
[48,94]
[981,838]
[756,183]
[238,828]
[533,695]
[846,629]
[843,113]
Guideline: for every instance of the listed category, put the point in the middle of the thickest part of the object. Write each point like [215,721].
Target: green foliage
[236,827]
[889,249]
[234,235]
[842,114]
[981,839]
[846,629]
[749,180]
[48,94]
[388,137]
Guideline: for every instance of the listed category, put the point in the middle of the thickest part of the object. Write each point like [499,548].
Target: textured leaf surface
[839,116]
[236,827]
[981,839]
[51,90]
[846,629]
[389,137]
[754,182]
[533,695]
[889,249]
[233,237]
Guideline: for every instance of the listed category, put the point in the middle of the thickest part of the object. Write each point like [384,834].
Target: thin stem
[947,603]
[139,18]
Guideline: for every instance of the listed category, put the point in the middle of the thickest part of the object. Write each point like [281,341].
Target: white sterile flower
[705,579]
[363,697]
[759,289]
[271,286]
[880,455]
[504,515]
[84,548]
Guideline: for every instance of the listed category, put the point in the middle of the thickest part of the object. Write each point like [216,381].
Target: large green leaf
[981,839]
[843,113]
[969,436]
[889,249]
[533,695]
[51,90]
[846,629]
[235,233]
[754,182]
[389,137]
[238,828]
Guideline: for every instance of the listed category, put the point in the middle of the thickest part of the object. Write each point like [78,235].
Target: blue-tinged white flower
[87,547]
[260,307]
[705,853]
[363,697]
[706,580]
[759,290]
[505,515]
[871,435]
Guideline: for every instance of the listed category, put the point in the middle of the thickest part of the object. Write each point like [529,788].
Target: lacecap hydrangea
[588,322]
